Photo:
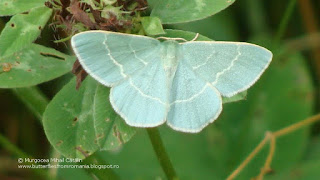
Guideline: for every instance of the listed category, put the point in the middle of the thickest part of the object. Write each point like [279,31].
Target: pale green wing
[194,103]
[142,100]
[231,67]
[111,57]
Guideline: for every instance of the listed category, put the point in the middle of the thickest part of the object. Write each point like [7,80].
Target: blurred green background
[288,92]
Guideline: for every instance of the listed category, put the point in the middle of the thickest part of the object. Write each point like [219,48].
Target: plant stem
[284,22]
[6,144]
[311,24]
[296,126]
[15,151]
[101,174]
[256,16]
[34,99]
[161,153]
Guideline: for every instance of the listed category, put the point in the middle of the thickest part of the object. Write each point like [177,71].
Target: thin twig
[267,165]
[249,158]
[272,137]
[296,126]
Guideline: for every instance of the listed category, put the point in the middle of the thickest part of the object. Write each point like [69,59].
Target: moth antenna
[176,39]
[196,37]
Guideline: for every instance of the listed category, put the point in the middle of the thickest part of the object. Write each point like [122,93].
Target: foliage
[82,121]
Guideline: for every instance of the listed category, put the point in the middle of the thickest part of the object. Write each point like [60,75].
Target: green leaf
[152,25]
[179,11]
[237,97]
[218,27]
[33,65]
[83,122]
[22,30]
[12,7]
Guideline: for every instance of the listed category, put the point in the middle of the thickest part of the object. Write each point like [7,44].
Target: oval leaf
[33,65]
[179,11]
[22,30]
[12,7]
